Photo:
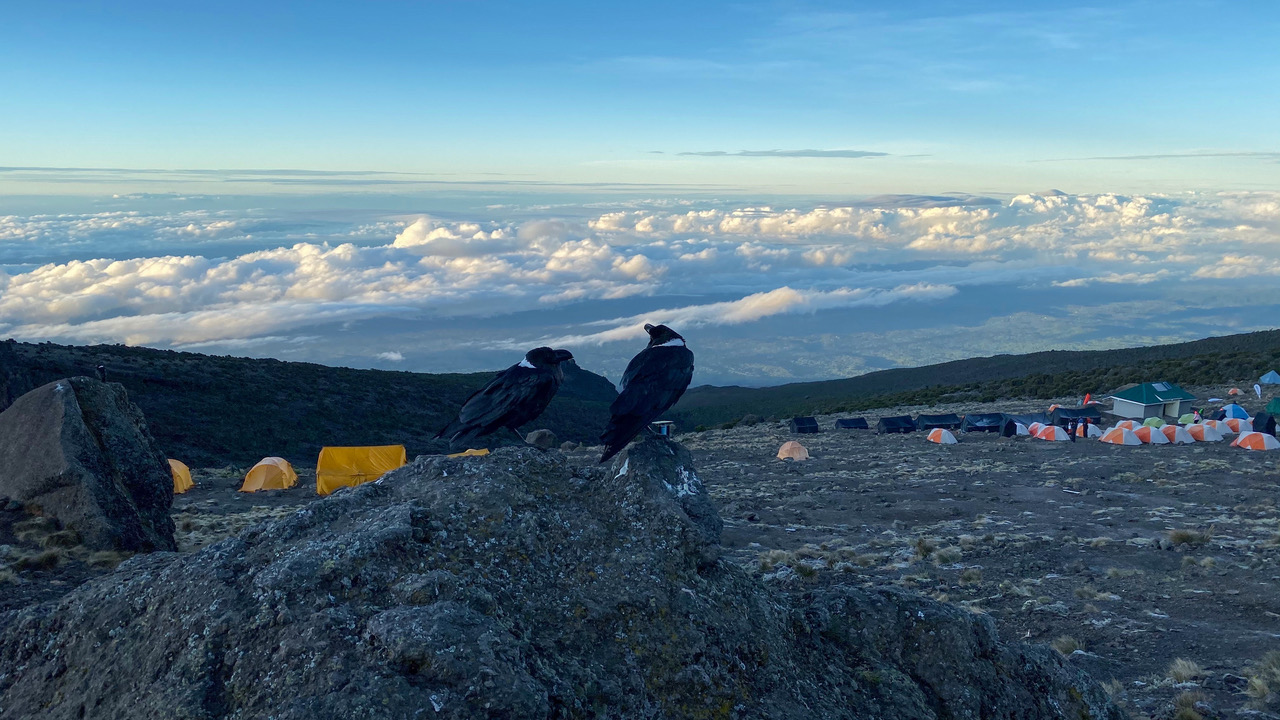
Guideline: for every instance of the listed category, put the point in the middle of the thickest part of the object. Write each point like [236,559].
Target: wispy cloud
[1245,154]
[847,154]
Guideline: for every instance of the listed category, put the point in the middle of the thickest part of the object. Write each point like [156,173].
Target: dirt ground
[1155,567]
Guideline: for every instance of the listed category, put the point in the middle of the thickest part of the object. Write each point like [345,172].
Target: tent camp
[1177,435]
[181,476]
[804,425]
[852,424]
[1204,433]
[1264,423]
[949,421]
[1120,436]
[941,436]
[1060,414]
[1153,422]
[1256,441]
[271,473]
[896,424]
[1271,378]
[792,450]
[351,466]
[982,422]
[1128,425]
[1150,435]
[1151,400]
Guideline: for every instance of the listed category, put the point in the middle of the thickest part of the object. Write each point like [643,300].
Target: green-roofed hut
[1153,399]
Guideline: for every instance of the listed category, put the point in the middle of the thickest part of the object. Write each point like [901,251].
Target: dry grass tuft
[971,576]
[45,560]
[1183,670]
[947,555]
[107,559]
[1065,645]
[1264,677]
[924,547]
[1186,536]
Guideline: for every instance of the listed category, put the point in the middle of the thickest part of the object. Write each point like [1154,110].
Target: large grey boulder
[510,586]
[77,450]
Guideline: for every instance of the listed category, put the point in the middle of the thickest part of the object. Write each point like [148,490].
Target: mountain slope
[1044,374]
[208,410]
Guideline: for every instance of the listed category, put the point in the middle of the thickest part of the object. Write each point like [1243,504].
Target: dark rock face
[544,439]
[77,450]
[510,586]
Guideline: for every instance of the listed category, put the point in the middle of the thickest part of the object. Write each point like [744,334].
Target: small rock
[544,439]
[568,445]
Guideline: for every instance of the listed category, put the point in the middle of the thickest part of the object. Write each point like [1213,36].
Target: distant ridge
[212,411]
[1053,373]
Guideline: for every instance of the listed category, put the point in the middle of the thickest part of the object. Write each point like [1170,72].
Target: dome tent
[1053,433]
[1256,441]
[1233,411]
[1153,422]
[1202,432]
[271,473]
[181,476]
[1120,436]
[942,436]
[1177,435]
[1150,436]
[1271,378]
[792,450]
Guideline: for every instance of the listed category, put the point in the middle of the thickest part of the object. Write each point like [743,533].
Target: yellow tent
[351,466]
[271,473]
[181,477]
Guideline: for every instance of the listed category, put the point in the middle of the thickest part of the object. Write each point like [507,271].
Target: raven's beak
[563,355]
[649,329]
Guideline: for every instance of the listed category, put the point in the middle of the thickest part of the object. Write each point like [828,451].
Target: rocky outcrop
[78,451]
[510,586]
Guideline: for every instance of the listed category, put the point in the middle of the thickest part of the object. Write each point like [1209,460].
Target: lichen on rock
[512,585]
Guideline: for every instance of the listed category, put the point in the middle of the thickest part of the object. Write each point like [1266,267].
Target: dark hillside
[1055,373]
[211,411]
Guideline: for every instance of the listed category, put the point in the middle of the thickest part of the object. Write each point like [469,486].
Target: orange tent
[271,473]
[1257,441]
[1120,436]
[1204,433]
[181,476]
[1177,435]
[792,450]
[1151,436]
[1239,426]
[350,466]
[1129,424]
[1093,431]
[1233,391]
[1053,407]
[942,437]
[1034,429]
[1053,433]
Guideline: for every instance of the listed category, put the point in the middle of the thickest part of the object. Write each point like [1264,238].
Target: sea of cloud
[765,293]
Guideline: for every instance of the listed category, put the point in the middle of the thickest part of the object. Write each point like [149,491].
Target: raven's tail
[622,429]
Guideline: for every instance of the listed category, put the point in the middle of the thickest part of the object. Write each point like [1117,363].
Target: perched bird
[517,395]
[655,379]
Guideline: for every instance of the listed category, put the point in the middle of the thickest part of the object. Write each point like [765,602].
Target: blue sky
[957,95]
[806,190]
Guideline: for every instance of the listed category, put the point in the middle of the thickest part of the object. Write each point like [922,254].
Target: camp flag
[1087,398]
[1257,389]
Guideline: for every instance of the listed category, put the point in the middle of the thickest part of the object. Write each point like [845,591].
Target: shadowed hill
[209,410]
[1054,373]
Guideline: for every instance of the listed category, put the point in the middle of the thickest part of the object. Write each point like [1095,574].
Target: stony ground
[1156,567]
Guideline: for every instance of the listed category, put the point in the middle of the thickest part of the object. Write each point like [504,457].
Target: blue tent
[1271,378]
[1234,411]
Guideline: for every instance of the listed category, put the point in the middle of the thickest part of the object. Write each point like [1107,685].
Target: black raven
[655,379]
[517,395]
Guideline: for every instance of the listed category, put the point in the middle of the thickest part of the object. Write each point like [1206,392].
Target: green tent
[1187,419]
[1273,407]
[1153,422]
